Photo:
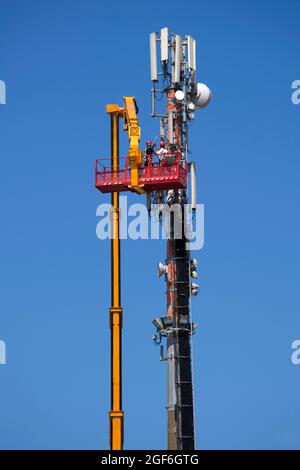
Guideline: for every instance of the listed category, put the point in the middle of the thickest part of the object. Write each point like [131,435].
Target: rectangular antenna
[191,53]
[164,43]
[153,59]
[178,58]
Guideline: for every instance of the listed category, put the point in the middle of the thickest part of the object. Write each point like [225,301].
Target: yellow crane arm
[131,125]
[129,114]
[135,155]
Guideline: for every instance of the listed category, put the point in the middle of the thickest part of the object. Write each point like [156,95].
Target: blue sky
[62,61]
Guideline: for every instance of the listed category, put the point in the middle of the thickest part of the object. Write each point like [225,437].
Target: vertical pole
[116,414]
[180,381]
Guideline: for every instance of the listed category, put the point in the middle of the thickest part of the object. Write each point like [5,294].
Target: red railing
[173,171]
[108,173]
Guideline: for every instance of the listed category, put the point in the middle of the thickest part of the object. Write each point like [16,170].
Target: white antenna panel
[178,58]
[164,43]
[191,53]
[153,58]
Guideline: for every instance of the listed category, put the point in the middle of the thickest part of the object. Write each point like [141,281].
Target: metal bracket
[161,356]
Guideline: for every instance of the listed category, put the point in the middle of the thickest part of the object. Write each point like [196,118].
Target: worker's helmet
[148,142]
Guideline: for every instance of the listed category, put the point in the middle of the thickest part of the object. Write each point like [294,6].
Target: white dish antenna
[179,95]
[203,96]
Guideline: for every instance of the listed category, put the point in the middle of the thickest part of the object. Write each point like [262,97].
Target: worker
[170,199]
[173,148]
[148,153]
[162,152]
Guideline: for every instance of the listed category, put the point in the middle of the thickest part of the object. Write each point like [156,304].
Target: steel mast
[183,95]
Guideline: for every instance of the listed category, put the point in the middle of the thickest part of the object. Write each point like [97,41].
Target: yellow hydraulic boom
[129,114]
[135,156]
[134,134]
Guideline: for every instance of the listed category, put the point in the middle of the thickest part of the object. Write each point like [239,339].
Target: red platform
[157,177]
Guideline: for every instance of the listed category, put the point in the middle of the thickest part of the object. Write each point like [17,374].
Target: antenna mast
[177,84]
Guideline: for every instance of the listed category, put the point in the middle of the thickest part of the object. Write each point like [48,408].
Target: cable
[192,352]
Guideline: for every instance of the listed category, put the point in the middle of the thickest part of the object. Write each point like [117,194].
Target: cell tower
[162,175]
[176,82]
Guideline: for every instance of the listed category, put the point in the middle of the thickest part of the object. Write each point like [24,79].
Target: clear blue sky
[62,62]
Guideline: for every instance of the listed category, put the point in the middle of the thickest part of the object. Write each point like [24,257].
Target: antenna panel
[153,58]
[164,33]
[178,58]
